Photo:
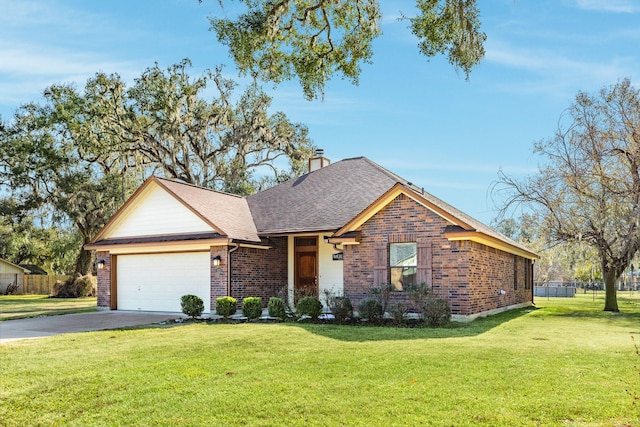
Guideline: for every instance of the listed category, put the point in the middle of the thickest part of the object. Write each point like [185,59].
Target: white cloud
[615,6]
[555,74]
[458,167]
[30,60]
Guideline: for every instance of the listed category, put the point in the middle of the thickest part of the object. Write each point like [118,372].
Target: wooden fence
[41,285]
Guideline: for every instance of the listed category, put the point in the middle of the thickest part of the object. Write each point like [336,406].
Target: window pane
[306,241]
[403,261]
[401,277]
[403,254]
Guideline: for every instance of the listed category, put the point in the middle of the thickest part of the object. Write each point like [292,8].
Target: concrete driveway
[38,327]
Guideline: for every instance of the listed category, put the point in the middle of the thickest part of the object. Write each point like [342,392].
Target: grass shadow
[630,319]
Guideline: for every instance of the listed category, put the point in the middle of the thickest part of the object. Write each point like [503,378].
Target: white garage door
[155,282]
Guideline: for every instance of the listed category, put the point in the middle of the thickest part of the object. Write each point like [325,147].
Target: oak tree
[588,190]
[74,158]
[312,40]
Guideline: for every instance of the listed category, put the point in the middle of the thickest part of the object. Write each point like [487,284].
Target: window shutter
[380,264]
[425,255]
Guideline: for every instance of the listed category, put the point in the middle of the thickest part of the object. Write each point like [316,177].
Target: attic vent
[318,161]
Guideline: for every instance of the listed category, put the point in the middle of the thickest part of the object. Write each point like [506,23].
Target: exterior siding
[467,274]
[259,272]
[144,219]
[10,274]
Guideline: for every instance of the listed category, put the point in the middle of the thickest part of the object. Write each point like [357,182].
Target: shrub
[74,287]
[226,306]
[12,288]
[252,307]
[419,294]
[309,306]
[341,308]
[192,305]
[277,308]
[437,312]
[371,309]
[382,293]
[287,295]
[398,314]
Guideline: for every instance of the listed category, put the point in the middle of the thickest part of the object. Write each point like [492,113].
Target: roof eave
[352,238]
[106,246]
[482,238]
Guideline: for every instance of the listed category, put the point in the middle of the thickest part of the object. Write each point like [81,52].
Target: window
[528,273]
[403,263]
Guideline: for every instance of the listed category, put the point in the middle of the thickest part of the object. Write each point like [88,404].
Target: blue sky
[416,117]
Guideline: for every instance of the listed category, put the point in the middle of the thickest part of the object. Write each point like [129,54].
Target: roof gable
[156,212]
[228,213]
[9,267]
[391,195]
[463,227]
[165,207]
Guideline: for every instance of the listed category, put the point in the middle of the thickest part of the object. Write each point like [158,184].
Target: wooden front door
[306,267]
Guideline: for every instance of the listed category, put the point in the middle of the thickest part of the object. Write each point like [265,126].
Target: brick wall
[491,271]
[104,280]
[403,220]
[467,274]
[218,274]
[258,272]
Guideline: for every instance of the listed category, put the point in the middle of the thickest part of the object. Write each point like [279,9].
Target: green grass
[564,363]
[23,306]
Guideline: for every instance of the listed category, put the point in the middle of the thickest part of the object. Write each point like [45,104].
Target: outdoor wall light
[216,261]
[101,264]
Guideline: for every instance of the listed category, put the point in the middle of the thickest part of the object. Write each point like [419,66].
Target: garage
[156,282]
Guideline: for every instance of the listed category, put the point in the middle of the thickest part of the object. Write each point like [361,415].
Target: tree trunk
[610,296]
[83,262]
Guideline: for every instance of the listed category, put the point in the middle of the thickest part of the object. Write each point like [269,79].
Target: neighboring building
[342,227]
[11,275]
[33,270]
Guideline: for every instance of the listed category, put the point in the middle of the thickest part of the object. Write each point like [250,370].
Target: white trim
[152,249]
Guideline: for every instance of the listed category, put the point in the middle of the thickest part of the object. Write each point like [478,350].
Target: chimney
[318,161]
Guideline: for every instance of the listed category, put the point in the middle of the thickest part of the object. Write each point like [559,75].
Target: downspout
[237,246]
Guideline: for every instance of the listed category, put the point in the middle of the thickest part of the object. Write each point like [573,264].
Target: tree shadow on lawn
[363,333]
[621,318]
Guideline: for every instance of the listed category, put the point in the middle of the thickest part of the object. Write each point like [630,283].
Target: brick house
[341,228]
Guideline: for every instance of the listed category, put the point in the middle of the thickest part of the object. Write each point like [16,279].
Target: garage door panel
[155,282]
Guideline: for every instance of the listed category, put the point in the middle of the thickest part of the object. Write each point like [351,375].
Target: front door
[306,267]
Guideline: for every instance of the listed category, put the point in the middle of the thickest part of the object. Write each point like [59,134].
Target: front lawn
[22,306]
[548,366]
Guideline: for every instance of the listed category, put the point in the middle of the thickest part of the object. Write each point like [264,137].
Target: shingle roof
[328,198]
[324,199]
[33,269]
[227,212]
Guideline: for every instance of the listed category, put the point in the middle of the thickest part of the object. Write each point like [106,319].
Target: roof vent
[318,161]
